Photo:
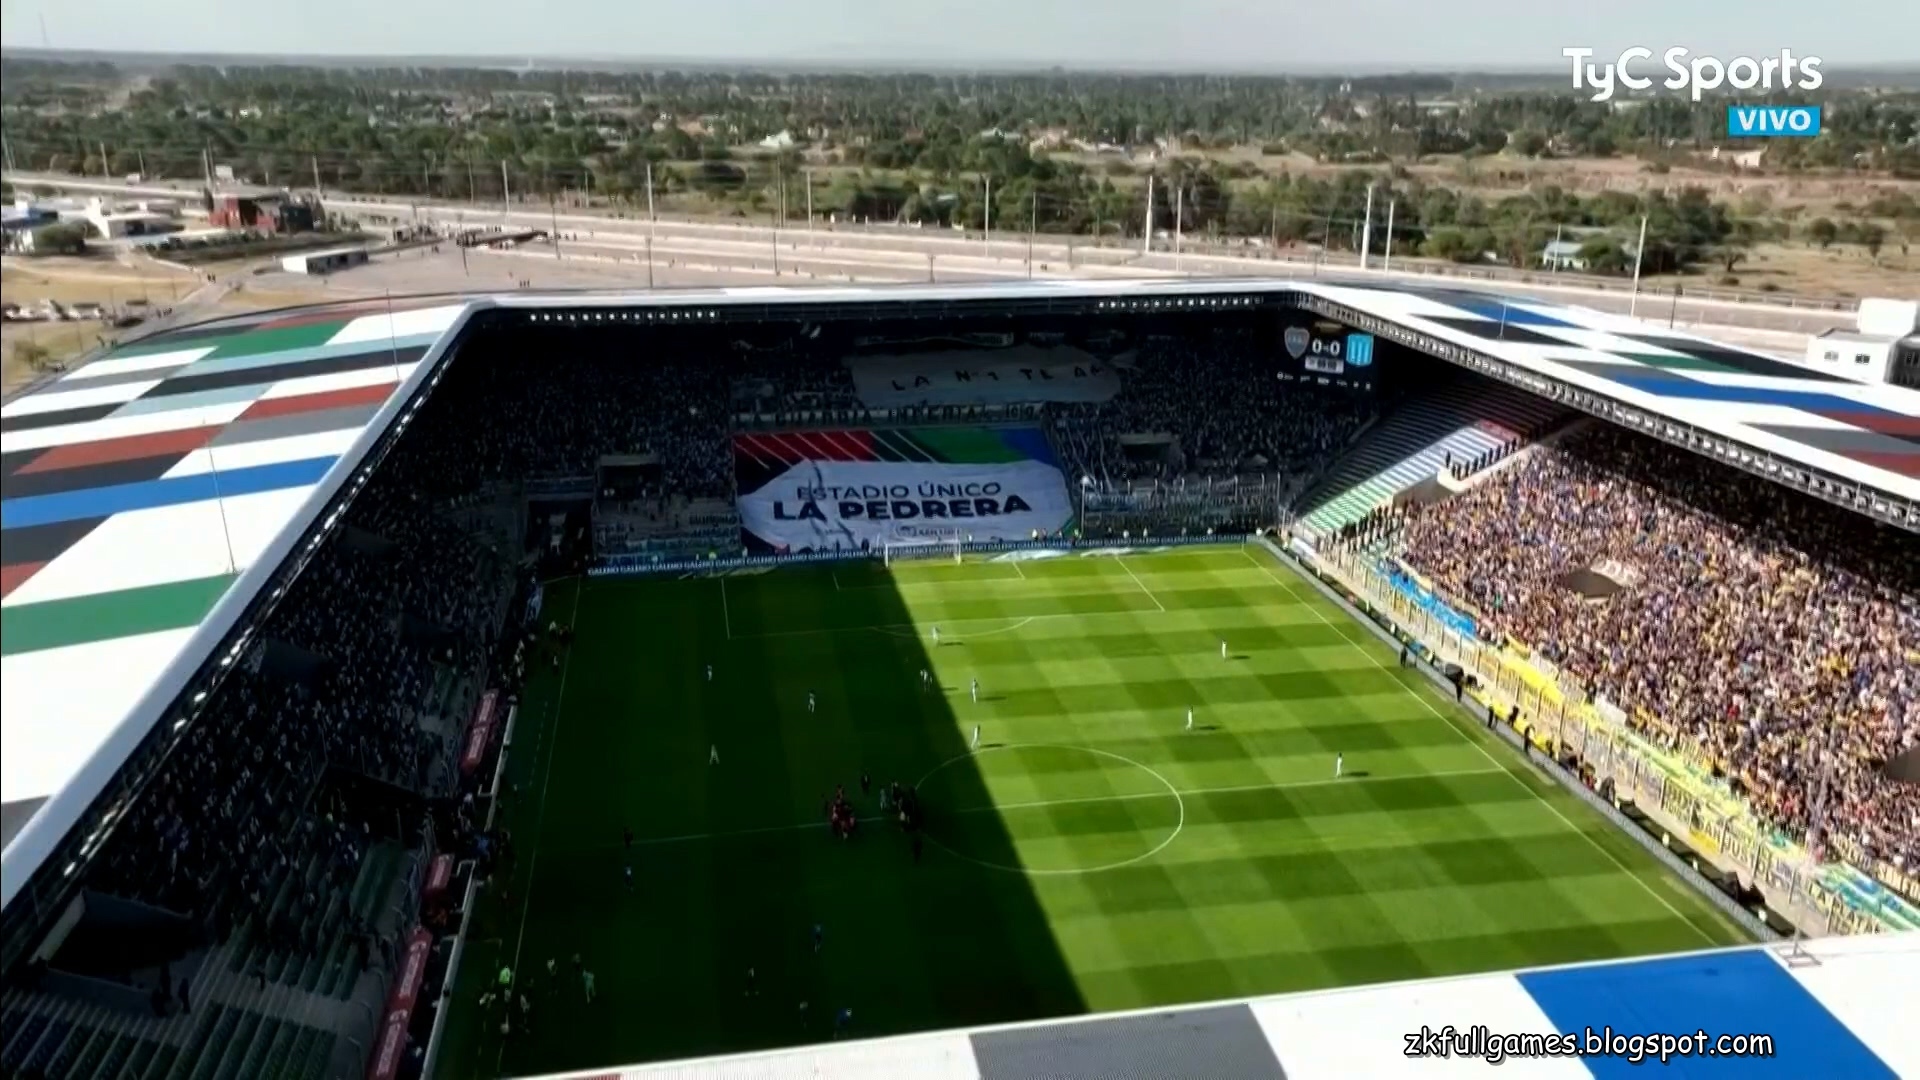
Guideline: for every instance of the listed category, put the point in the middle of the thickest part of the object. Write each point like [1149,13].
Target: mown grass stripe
[1402,873]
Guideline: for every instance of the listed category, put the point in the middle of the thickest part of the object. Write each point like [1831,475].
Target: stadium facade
[159,502]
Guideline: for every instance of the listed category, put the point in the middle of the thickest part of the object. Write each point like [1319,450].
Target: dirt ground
[1788,268]
[114,285]
[1837,271]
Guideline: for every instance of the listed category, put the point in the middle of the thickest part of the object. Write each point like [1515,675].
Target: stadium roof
[139,489]
[1865,433]
[1831,1010]
[147,497]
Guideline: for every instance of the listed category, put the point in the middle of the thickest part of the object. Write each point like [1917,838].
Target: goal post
[922,547]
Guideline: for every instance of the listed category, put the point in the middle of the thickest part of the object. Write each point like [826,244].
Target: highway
[892,253]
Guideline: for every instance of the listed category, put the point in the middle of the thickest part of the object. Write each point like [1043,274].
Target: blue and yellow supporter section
[1647,763]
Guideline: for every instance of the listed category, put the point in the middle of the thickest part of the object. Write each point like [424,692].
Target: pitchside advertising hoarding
[822,490]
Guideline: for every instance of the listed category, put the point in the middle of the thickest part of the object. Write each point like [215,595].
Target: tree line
[1054,152]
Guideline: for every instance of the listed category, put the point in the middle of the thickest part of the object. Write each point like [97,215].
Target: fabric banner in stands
[480,732]
[1022,373]
[820,490]
[392,1045]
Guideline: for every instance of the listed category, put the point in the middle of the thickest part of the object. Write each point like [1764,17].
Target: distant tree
[32,355]
[1872,237]
[1822,231]
[66,238]
[1528,143]
[1734,246]
[1602,255]
[1449,243]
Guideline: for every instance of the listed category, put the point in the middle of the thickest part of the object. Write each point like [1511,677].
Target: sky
[1235,35]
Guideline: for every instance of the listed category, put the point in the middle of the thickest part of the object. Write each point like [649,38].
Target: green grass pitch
[1092,855]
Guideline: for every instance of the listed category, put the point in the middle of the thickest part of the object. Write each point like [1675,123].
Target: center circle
[1130,812]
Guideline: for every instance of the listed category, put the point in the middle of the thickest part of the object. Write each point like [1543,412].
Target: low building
[324,262]
[1562,255]
[1883,346]
[264,212]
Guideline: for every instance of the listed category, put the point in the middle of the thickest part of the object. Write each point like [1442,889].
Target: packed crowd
[338,677]
[1217,397]
[1777,635]
[556,402]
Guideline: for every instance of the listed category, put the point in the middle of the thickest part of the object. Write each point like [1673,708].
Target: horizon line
[556,63]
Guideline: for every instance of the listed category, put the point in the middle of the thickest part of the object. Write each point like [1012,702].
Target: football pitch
[1092,854]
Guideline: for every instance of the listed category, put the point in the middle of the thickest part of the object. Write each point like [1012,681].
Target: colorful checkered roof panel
[135,490]
[1866,433]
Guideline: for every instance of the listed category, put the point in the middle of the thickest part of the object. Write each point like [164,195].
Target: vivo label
[1779,121]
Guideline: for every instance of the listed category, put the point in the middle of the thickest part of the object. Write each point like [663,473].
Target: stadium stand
[1464,418]
[275,855]
[1207,404]
[1744,613]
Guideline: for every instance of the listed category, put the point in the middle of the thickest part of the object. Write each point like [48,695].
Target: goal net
[921,547]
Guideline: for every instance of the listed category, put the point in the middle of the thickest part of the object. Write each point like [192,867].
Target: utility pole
[652,225]
[1388,265]
[553,208]
[1639,253]
[809,178]
[206,163]
[1553,264]
[470,196]
[1179,213]
[987,236]
[506,194]
[1366,231]
[1033,226]
[780,211]
[105,171]
[141,154]
[314,160]
[1146,233]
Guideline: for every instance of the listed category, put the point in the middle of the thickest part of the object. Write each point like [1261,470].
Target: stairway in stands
[1462,417]
[237,1030]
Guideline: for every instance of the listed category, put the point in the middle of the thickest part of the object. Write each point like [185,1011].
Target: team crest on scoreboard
[1296,339]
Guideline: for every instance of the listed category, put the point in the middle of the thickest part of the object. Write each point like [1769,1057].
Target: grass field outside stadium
[1093,854]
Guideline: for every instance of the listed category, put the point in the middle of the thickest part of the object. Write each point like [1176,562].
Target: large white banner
[844,504]
[976,377]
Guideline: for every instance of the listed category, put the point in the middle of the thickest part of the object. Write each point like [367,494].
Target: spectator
[1771,633]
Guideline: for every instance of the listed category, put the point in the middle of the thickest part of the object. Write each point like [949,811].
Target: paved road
[906,254]
[913,254]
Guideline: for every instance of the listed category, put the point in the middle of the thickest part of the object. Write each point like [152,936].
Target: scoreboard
[1324,348]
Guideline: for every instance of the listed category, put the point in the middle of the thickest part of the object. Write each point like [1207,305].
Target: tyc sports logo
[1695,74]
[1700,74]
